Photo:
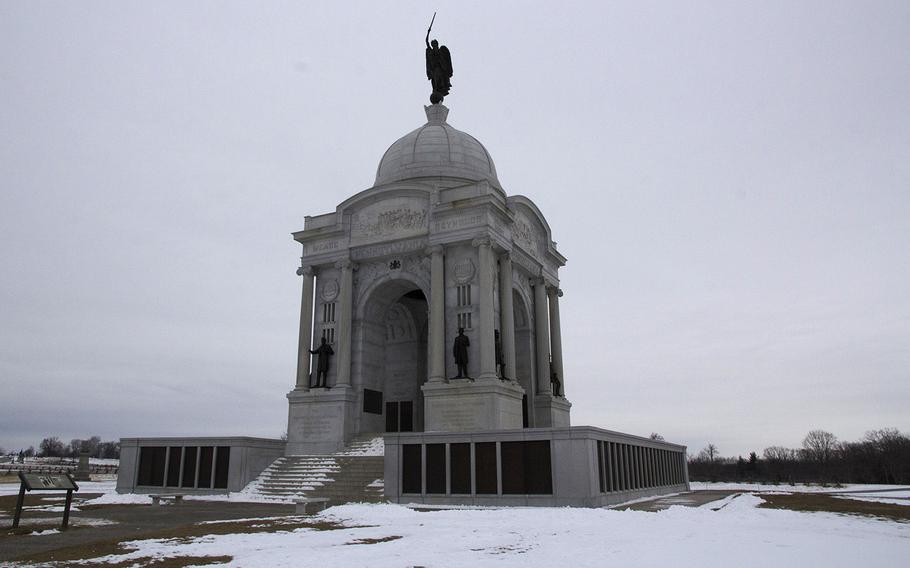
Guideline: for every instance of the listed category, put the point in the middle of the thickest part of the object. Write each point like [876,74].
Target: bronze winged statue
[439,67]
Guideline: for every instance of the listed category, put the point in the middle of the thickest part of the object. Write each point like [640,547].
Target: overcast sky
[729,181]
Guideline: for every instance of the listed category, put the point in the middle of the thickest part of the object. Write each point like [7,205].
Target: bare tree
[709,453]
[820,446]
[780,454]
[52,447]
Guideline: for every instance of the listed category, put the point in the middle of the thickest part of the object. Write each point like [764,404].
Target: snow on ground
[106,486]
[787,488]
[876,499]
[737,535]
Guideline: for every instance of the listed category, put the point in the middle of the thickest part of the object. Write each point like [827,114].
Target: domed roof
[436,149]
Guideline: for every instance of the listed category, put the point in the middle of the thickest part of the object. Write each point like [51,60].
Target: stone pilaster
[345,320]
[485,309]
[507,316]
[305,338]
[542,332]
[437,330]
[556,335]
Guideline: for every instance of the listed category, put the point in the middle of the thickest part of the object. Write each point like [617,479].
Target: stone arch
[389,352]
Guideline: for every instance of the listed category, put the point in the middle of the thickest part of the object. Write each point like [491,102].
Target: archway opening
[393,352]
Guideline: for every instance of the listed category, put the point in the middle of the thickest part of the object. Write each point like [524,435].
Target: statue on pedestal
[500,362]
[460,352]
[322,362]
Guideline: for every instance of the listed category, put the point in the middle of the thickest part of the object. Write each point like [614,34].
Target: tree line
[881,456]
[54,447]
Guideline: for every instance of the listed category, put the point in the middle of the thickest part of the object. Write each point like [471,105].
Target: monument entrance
[391,349]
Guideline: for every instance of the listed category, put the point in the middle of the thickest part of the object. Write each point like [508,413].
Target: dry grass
[373,540]
[86,552]
[819,502]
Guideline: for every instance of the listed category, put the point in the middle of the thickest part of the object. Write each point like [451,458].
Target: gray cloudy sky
[729,181]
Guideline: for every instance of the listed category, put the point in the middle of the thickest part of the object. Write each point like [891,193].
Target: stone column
[556,335]
[507,315]
[345,319]
[305,338]
[437,329]
[541,330]
[485,308]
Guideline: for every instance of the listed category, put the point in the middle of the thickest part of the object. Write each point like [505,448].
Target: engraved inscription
[388,249]
[320,247]
[458,223]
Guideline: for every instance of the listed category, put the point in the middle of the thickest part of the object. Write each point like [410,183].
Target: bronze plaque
[48,481]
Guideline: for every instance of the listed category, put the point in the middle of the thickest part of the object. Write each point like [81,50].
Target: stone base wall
[578,466]
[464,405]
[320,420]
[248,457]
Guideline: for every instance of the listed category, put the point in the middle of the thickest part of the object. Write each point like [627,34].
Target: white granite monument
[396,270]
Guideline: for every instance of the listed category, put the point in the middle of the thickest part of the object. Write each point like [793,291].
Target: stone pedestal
[319,420]
[551,411]
[83,472]
[461,405]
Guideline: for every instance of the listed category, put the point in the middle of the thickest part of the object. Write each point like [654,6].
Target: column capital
[505,256]
[481,242]
[554,291]
[538,281]
[305,270]
[434,249]
[345,264]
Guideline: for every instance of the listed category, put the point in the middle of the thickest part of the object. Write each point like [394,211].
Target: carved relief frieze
[526,234]
[389,219]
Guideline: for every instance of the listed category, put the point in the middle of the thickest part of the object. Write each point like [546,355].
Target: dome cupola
[436,150]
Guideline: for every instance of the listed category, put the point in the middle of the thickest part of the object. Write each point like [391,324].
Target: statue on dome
[439,67]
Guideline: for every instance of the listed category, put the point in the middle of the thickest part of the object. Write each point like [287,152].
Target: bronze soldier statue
[439,67]
[460,352]
[322,363]
[500,362]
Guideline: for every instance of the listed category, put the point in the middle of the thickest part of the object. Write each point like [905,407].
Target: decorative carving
[330,289]
[525,234]
[434,249]
[344,264]
[305,270]
[419,266]
[481,242]
[464,271]
[389,219]
[394,264]
[399,324]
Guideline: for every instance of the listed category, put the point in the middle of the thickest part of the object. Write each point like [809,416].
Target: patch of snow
[738,535]
[797,488]
[45,532]
[885,500]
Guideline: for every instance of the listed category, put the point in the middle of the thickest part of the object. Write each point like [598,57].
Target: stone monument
[390,277]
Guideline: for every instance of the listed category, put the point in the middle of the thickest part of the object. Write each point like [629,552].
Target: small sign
[45,482]
[38,481]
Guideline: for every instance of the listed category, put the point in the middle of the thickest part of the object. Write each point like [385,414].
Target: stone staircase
[354,474]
